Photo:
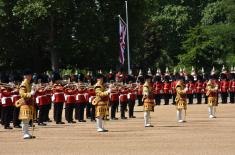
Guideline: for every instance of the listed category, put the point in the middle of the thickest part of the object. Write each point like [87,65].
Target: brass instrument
[7,85]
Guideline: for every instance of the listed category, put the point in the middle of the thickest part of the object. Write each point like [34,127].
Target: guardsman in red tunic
[158,88]
[58,99]
[140,82]
[232,87]
[16,110]
[131,101]
[7,105]
[49,93]
[41,100]
[91,92]
[173,85]
[199,89]
[70,101]
[224,86]
[167,87]
[114,101]
[123,100]
[81,103]
[190,89]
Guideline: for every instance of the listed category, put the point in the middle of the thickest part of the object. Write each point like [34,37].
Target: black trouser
[92,111]
[48,108]
[42,113]
[79,111]
[114,105]
[224,97]
[206,99]
[166,98]
[88,111]
[69,112]
[16,112]
[123,108]
[199,98]
[190,98]
[6,115]
[58,109]
[140,97]
[174,96]
[157,99]
[231,94]
[131,105]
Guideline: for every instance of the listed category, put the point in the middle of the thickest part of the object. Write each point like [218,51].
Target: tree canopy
[51,34]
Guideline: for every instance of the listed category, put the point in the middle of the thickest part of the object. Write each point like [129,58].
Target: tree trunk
[54,56]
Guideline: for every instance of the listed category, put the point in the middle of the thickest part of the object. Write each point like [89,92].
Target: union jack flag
[122,38]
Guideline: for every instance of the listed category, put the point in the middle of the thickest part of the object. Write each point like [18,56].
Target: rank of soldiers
[99,101]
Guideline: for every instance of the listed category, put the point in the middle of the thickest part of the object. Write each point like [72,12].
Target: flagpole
[128,49]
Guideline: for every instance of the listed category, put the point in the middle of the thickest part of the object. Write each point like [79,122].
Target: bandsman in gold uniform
[181,100]
[148,101]
[101,103]
[212,89]
[26,104]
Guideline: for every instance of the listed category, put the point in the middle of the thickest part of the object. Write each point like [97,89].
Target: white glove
[32,92]
[109,90]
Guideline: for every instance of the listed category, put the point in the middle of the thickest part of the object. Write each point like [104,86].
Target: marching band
[84,99]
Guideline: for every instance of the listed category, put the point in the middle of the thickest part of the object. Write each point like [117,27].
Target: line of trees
[52,34]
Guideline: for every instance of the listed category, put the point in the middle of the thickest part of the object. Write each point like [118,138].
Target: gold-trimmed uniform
[148,98]
[101,101]
[181,99]
[212,93]
[26,101]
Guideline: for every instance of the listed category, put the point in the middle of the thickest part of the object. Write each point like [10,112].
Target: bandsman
[148,100]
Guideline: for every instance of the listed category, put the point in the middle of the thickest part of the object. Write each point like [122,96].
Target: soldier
[190,86]
[110,76]
[199,89]
[70,101]
[131,101]
[123,100]
[148,101]
[114,100]
[101,103]
[158,87]
[140,81]
[16,110]
[49,93]
[212,90]
[81,103]
[41,100]
[7,105]
[232,86]
[181,102]
[58,98]
[167,87]
[173,85]
[26,104]
[224,86]
[91,92]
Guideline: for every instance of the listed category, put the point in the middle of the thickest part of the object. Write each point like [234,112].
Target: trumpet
[7,85]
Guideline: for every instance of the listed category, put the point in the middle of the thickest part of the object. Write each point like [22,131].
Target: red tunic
[157,88]
[224,86]
[80,97]
[199,87]
[190,87]
[232,86]
[70,96]
[58,95]
[6,99]
[167,88]
[123,96]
